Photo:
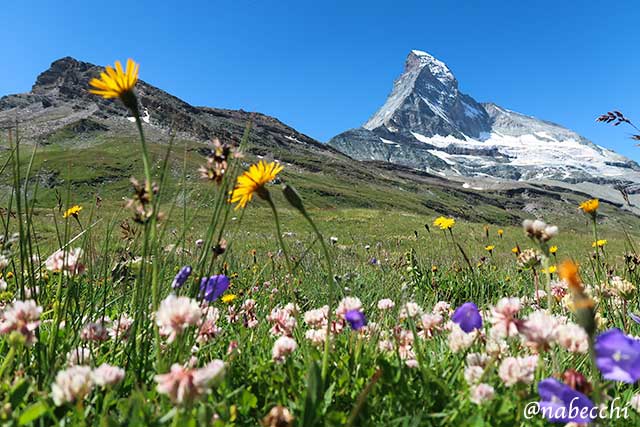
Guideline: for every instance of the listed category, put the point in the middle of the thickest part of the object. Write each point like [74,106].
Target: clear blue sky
[326,66]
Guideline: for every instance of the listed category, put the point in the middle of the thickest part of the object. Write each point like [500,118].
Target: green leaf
[477,421]
[33,412]
[168,416]
[247,402]
[328,398]
[18,392]
[312,396]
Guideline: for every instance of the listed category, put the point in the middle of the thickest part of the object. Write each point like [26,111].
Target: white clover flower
[106,375]
[79,356]
[317,317]
[184,385]
[473,374]
[540,330]
[283,347]
[503,317]
[348,304]
[515,370]
[386,304]
[459,339]
[22,317]
[481,393]
[72,385]
[410,310]
[573,338]
[316,336]
[176,314]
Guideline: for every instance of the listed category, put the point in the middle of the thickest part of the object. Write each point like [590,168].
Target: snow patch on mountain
[428,124]
[438,68]
[562,158]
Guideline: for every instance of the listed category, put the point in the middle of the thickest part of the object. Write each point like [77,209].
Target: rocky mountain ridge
[428,124]
[60,104]
[73,126]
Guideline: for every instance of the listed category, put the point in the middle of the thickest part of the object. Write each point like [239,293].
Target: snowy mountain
[428,124]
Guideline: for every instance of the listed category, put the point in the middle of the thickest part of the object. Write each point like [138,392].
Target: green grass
[372,214]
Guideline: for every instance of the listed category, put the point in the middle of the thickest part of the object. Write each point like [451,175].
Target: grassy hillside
[202,314]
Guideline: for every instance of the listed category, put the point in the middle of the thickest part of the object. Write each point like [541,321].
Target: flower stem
[56,317]
[279,232]
[152,229]
[595,239]
[8,360]
[325,356]
[547,276]
[145,154]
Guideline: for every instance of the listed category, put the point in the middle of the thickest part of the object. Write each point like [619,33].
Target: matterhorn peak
[427,123]
[418,59]
[425,99]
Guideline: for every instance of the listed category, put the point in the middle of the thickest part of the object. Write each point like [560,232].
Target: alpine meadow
[448,263]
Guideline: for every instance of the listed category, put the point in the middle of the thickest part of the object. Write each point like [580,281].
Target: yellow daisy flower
[590,206]
[553,249]
[600,243]
[228,298]
[115,83]
[444,223]
[72,211]
[489,248]
[500,232]
[253,181]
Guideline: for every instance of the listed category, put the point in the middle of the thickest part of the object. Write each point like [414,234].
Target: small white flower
[412,363]
[386,304]
[23,317]
[106,375]
[348,304]
[71,385]
[176,314]
[459,339]
[283,347]
[518,370]
[316,336]
[481,393]
[79,356]
[573,338]
[317,317]
[410,310]
[473,374]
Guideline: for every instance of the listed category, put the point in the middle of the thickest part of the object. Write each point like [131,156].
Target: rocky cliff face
[426,99]
[428,124]
[59,102]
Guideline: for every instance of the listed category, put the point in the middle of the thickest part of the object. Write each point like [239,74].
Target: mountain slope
[87,145]
[428,124]
[60,101]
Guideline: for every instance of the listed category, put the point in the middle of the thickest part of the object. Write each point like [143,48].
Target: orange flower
[590,206]
[568,271]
